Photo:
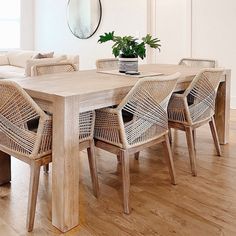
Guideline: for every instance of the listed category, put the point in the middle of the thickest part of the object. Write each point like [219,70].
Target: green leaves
[128,46]
[140,50]
[106,37]
[116,51]
[153,43]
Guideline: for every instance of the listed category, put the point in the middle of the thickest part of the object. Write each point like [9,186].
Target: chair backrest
[17,108]
[195,62]
[201,94]
[147,102]
[53,68]
[107,64]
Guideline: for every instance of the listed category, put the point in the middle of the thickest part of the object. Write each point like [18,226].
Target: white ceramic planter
[128,64]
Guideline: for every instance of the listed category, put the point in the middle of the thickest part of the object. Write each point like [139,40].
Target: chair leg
[93,168]
[192,154]
[170,136]
[194,139]
[169,159]
[46,168]
[215,136]
[136,155]
[118,158]
[124,157]
[33,192]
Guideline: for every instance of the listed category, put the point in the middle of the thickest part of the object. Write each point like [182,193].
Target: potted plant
[129,49]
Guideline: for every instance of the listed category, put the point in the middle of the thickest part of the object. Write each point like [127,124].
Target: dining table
[65,95]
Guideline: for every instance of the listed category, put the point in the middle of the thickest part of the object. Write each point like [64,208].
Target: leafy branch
[128,46]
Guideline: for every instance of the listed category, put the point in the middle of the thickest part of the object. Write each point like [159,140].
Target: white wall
[27,24]
[214,34]
[172,27]
[53,34]
[207,30]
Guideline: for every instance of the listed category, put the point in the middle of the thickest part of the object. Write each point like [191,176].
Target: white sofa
[20,63]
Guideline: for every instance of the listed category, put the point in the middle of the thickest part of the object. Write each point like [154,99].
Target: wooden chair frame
[16,139]
[147,101]
[196,107]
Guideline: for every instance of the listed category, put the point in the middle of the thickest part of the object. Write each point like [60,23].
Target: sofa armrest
[4,59]
[74,59]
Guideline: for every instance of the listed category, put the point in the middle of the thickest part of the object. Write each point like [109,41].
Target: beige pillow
[43,55]
[4,59]
[32,62]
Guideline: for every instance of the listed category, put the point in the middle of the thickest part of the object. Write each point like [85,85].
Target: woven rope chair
[196,107]
[52,68]
[86,121]
[147,103]
[107,64]
[195,62]
[17,110]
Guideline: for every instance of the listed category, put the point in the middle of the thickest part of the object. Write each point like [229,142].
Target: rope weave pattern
[197,103]
[107,64]
[147,104]
[16,110]
[194,62]
[86,120]
[86,125]
[53,68]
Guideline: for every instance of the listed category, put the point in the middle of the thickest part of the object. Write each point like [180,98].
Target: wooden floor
[203,205]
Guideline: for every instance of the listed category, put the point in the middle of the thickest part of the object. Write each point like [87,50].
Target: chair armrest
[107,126]
[43,144]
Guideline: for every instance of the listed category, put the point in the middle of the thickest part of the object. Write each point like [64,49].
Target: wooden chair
[147,103]
[86,121]
[196,107]
[195,62]
[107,64]
[17,110]
[53,68]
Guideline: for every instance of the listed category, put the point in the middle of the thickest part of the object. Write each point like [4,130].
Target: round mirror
[84,17]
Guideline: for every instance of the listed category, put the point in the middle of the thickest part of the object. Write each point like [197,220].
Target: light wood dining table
[67,94]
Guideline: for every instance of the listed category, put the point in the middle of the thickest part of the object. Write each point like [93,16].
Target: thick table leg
[5,168]
[222,113]
[65,163]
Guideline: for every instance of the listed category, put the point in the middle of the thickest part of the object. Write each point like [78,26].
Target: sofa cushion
[7,72]
[19,58]
[4,59]
[32,62]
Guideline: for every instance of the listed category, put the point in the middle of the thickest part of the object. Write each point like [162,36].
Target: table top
[89,81]
[91,86]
